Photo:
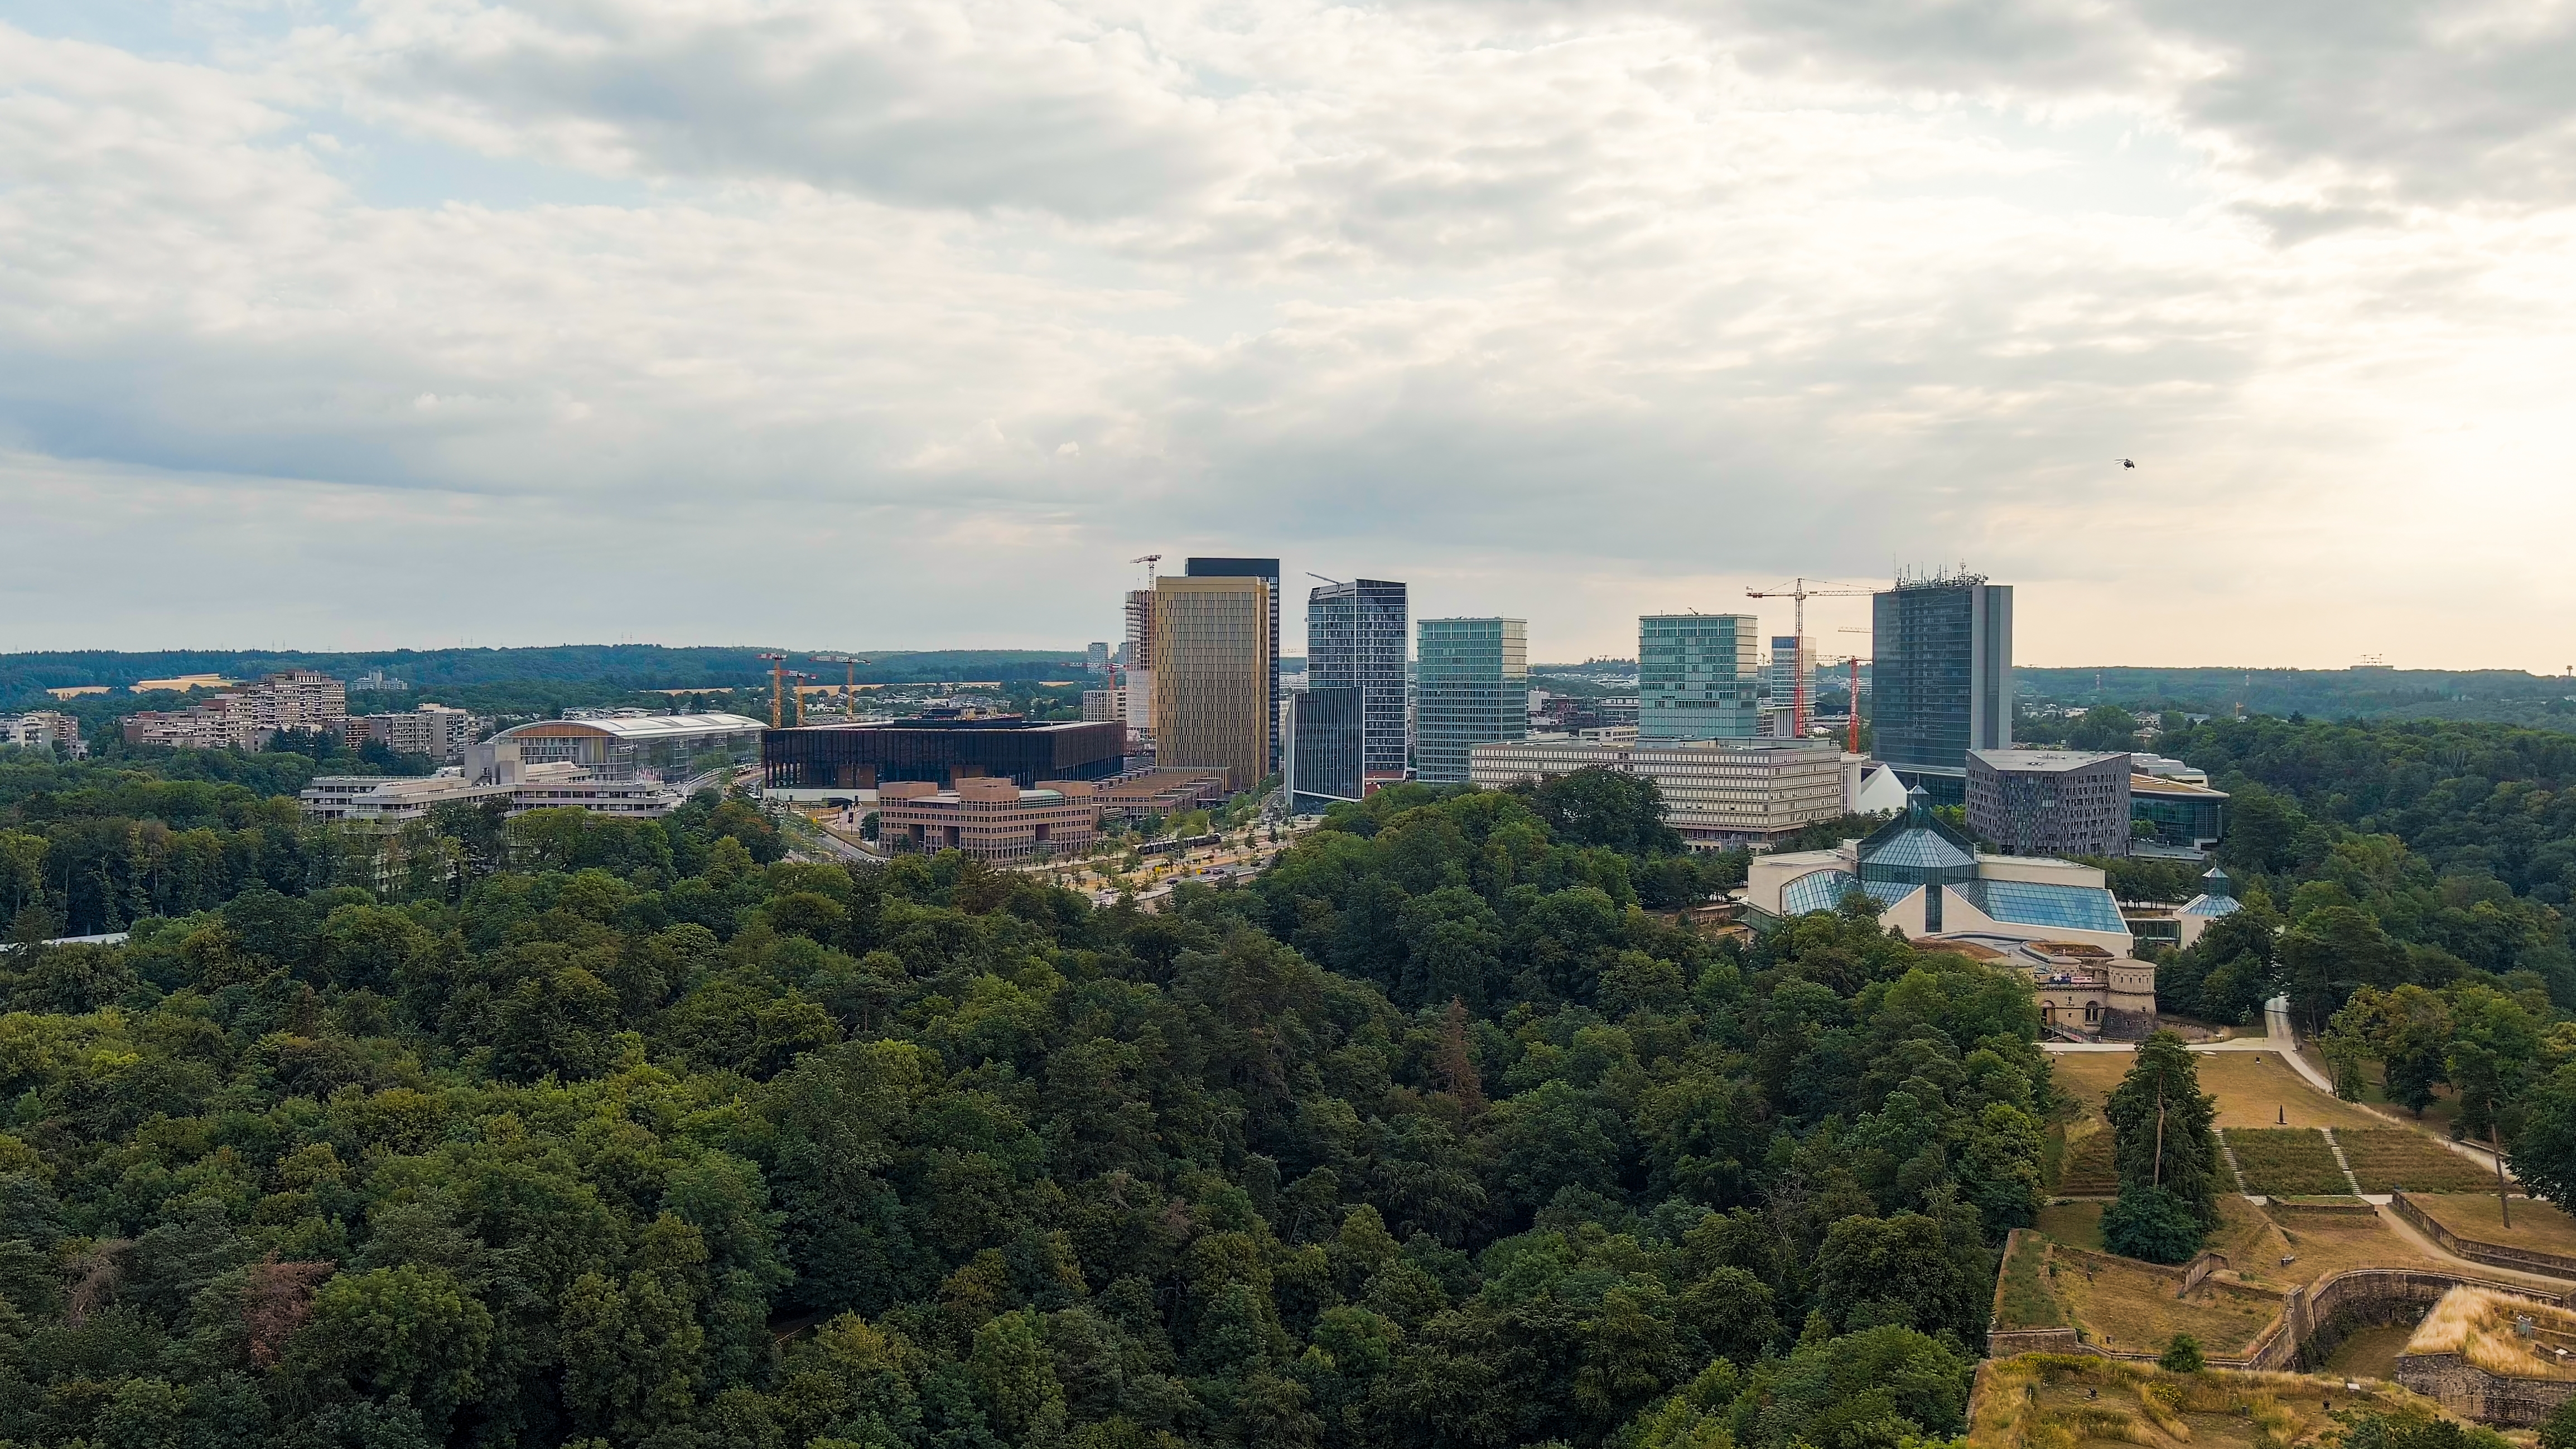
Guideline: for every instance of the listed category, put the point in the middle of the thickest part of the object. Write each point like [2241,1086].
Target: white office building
[1720,794]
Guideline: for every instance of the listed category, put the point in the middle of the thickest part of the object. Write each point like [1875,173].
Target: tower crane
[777,686]
[849,686]
[800,677]
[1148,560]
[1852,738]
[1799,591]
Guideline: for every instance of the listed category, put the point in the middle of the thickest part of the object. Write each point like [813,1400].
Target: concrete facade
[1720,794]
[990,820]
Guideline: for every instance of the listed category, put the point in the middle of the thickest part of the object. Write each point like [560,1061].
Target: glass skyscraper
[1266,570]
[1355,635]
[1471,679]
[1698,677]
[1941,678]
[1793,663]
[1213,675]
[1322,748]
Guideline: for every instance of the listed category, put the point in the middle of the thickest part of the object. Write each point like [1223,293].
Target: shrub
[2182,1356]
[2153,1224]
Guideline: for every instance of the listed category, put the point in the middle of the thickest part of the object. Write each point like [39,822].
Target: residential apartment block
[44,729]
[245,718]
[434,730]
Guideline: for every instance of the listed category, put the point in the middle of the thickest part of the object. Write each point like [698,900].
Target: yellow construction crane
[1799,591]
[777,686]
[850,686]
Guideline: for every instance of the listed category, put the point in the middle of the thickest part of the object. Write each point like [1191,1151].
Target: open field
[2286,1161]
[2254,1089]
[2040,1399]
[2536,1225]
[2385,1159]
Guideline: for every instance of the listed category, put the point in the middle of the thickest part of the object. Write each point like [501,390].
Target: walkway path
[2413,1237]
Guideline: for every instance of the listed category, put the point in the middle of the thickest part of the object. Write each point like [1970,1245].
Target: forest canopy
[574,1130]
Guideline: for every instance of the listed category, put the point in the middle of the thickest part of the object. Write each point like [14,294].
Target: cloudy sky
[909,322]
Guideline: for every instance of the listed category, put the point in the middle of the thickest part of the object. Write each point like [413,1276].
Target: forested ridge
[634,1133]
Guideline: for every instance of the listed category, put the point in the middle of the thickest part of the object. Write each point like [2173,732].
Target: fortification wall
[2495,1255]
[2463,1388]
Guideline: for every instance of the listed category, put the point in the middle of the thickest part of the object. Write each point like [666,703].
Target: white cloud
[927,315]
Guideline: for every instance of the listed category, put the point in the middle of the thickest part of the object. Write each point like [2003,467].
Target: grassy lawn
[2036,1399]
[2086,1170]
[2369,1353]
[2385,1159]
[2025,1301]
[2131,1305]
[2536,1225]
[2320,1243]
[2077,1224]
[2286,1161]
[2254,1089]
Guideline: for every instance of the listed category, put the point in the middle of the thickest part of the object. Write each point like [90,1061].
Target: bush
[2182,1356]
[2151,1223]
[2558,1431]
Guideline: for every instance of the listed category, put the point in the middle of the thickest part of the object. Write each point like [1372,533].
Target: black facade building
[942,751]
[1324,747]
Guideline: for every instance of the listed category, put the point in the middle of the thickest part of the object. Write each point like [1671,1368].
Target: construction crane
[800,678]
[777,686]
[1148,560]
[1799,591]
[1852,740]
[850,686]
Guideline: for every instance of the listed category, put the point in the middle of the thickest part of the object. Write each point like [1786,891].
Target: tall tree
[2163,1123]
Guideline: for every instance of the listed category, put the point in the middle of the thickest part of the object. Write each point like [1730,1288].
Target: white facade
[394,801]
[43,729]
[1718,793]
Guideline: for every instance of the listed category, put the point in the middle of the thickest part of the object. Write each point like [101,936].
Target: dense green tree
[2164,1127]
[2152,1223]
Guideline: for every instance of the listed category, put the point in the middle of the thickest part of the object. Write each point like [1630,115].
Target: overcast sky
[909,322]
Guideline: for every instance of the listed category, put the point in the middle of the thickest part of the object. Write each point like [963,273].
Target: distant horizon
[1074,654]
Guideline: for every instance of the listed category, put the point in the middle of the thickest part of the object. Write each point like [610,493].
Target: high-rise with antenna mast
[1941,677]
